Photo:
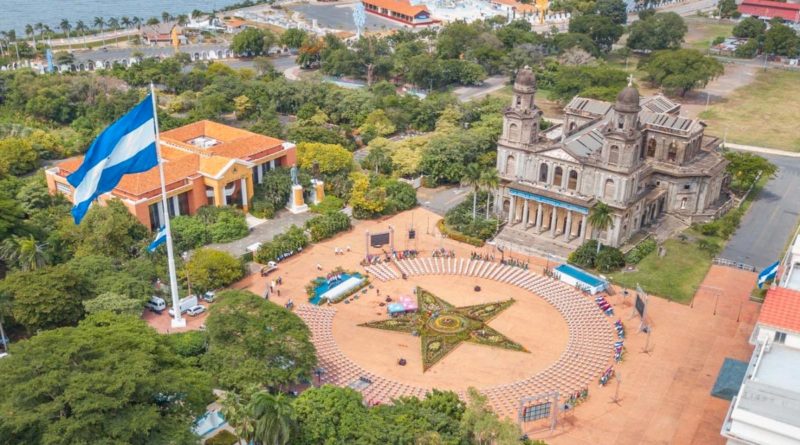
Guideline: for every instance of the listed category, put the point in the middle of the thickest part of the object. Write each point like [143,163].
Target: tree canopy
[662,30]
[681,70]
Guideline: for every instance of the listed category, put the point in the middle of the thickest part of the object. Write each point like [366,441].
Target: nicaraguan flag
[126,146]
[768,273]
[161,238]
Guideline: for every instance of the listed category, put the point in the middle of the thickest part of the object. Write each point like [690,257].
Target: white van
[156,304]
[185,304]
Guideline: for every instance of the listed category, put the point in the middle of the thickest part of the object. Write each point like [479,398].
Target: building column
[568,226]
[224,197]
[539,216]
[512,210]
[244,193]
[582,229]
[260,172]
[553,221]
[525,214]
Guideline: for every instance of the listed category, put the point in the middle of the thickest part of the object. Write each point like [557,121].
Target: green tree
[273,422]
[331,158]
[250,42]
[210,269]
[663,30]
[601,29]
[596,82]
[728,9]
[189,233]
[745,167]
[490,180]
[111,230]
[600,218]
[254,343]
[681,70]
[377,124]
[616,10]
[750,28]
[482,426]
[17,157]
[781,40]
[293,37]
[365,200]
[316,424]
[113,302]
[472,178]
[111,378]
[23,252]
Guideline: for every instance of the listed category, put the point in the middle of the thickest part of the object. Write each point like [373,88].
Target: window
[651,148]
[609,190]
[558,176]
[780,337]
[672,154]
[64,189]
[183,203]
[543,173]
[572,182]
[572,126]
[513,132]
[687,186]
[613,155]
[511,166]
[155,210]
[519,101]
[683,203]
[641,152]
[620,123]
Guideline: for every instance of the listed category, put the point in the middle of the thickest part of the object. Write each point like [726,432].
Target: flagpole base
[178,323]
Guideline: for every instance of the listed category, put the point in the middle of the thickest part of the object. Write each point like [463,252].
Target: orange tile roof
[781,309]
[521,7]
[234,142]
[235,23]
[399,6]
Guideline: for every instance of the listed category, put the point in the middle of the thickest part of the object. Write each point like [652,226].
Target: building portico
[542,215]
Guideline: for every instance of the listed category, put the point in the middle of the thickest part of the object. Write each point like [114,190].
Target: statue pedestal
[296,202]
[318,191]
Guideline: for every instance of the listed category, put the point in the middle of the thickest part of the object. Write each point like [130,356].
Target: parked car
[156,304]
[196,310]
[208,297]
[185,304]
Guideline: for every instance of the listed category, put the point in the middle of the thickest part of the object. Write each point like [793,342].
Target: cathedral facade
[637,155]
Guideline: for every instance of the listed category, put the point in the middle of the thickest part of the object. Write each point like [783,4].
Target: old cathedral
[637,155]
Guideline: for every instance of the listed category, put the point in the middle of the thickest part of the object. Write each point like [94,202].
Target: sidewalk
[763,150]
[263,232]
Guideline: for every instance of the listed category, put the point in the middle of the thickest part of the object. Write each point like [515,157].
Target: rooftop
[771,388]
[781,309]
[400,6]
[767,8]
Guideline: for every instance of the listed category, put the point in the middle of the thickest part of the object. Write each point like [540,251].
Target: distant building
[767,9]
[766,409]
[163,33]
[637,155]
[401,11]
[234,25]
[205,163]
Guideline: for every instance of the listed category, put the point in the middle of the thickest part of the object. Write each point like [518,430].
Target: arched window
[572,182]
[609,190]
[511,166]
[641,152]
[651,148]
[558,176]
[513,131]
[672,154]
[519,100]
[543,173]
[613,155]
[683,203]
[572,126]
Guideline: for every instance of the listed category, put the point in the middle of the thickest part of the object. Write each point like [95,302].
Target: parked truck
[184,304]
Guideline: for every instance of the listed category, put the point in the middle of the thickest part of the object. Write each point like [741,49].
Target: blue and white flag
[768,273]
[126,146]
[161,238]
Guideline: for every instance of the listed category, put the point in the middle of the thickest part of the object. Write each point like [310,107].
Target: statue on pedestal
[293,172]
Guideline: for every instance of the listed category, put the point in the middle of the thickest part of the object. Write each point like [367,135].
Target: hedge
[458,236]
[325,226]
[224,437]
[640,251]
[283,245]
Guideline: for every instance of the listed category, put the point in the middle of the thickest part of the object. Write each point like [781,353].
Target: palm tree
[183,19]
[238,416]
[66,26]
[25,252]
[39,27]
[490,180]
[472,178]
[272,415]
[29,32]
[81,28]
[113,23]
[99,23]
[137,22]
[125,22]
[600,217]
[3,40]
[166,17]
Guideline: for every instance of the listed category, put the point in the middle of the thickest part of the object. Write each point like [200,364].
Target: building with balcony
[638,155]
[205,163]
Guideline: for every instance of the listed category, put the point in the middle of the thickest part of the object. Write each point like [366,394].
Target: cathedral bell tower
[521,119]
[623,135]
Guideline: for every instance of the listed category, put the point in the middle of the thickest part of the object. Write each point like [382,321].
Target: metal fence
[735,264]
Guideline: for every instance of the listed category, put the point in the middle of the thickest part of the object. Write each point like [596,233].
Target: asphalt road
[441,199]
[768,225]
[489,85]
[340,16]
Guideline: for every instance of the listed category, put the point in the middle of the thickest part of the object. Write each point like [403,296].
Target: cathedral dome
[628,99]
[525,78]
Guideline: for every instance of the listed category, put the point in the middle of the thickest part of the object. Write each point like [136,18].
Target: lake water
[15,14]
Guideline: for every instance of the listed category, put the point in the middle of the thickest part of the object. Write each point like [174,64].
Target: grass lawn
[702,31]
[763,113]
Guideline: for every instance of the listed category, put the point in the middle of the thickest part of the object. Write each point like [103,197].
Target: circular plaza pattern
[569,341]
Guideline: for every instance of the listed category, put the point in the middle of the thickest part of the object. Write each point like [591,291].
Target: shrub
[229,226]
[224,437]
[584,256]
[609,259]
[708,246]
[188,344]
[640,251]
[460,219]
[458,236]
[188,233]
[212,269]
[709,229]
[284,244]
[325,226]
[328,204]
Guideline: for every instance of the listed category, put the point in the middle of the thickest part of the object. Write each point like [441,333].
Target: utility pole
[3,338]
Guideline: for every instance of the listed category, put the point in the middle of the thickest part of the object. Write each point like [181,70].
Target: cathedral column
[582,229]
[511,210]
[539,216]
[568,226]
[525,214]
[553,221]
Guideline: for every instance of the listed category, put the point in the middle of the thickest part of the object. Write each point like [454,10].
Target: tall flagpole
[177,320]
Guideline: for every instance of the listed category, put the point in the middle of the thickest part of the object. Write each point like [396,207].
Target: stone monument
[318,186]
[296,202]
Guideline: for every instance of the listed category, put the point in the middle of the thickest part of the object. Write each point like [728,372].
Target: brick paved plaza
[664,393]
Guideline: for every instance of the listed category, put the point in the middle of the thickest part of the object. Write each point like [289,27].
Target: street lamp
[318,372]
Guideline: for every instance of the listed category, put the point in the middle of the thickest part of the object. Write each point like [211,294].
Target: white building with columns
[638,155]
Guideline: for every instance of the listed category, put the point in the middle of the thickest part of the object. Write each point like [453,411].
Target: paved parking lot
[341,17]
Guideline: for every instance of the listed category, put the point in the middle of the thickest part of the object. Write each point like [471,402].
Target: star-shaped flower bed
[442,326]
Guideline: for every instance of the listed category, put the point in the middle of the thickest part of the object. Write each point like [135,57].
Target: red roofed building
[770,9]
[779,320]
[401,11]
[205,163]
